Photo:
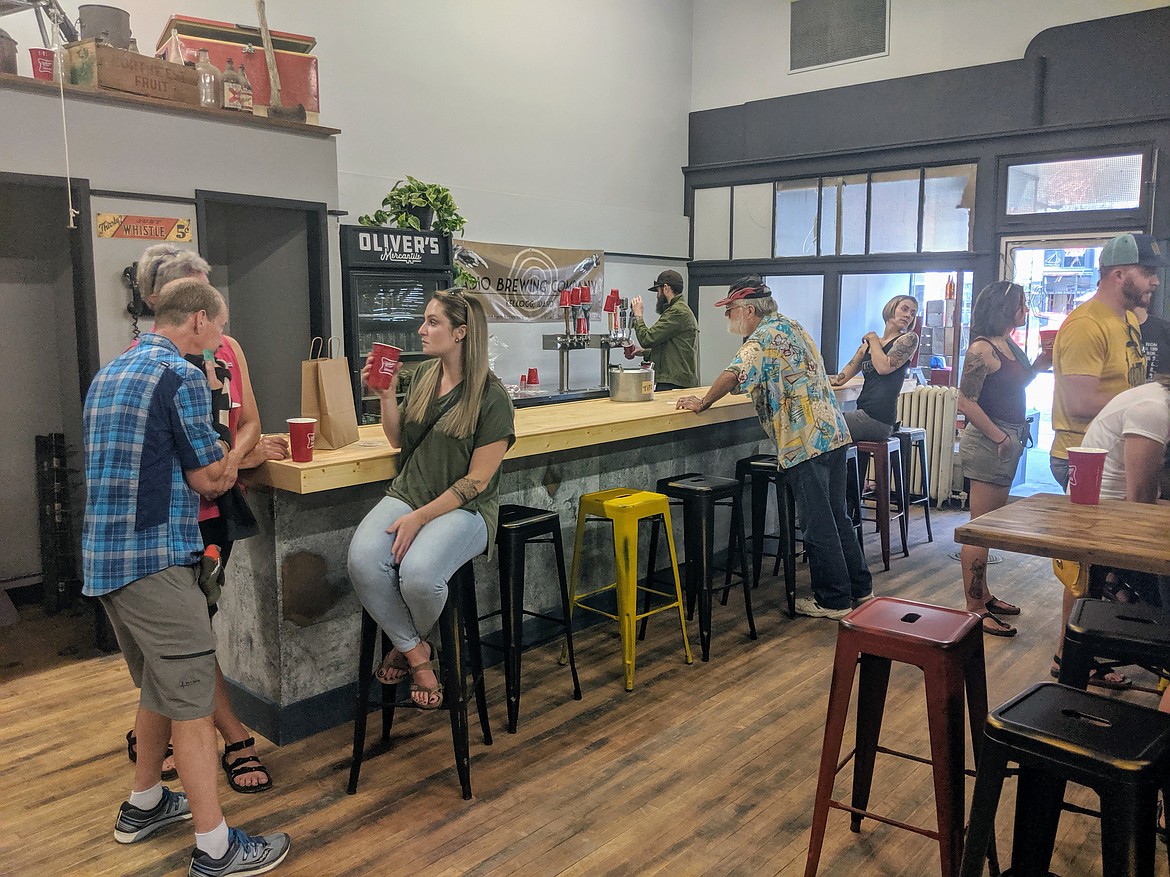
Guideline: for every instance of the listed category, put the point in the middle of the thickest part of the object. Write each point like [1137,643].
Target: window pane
[948,208]
[796,218]
[751,222]
[862,298]
[843,215]
[894,215]
[712,223]
[1112,183]
[800,297]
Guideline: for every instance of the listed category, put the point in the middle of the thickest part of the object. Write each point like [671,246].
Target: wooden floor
[706,769]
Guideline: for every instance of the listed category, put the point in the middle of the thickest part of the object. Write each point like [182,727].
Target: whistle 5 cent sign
[143,228]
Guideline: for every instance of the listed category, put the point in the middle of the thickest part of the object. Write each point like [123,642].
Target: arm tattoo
[903,349]
[975,371]
[466,489]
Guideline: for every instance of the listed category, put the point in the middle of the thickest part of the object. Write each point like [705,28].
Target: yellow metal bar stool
[624,509]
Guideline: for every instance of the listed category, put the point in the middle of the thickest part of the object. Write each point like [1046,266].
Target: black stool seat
[1059,734]
[454,667]
[520,526]
[1131,633]
[913,439]
[762,470]
[699,495]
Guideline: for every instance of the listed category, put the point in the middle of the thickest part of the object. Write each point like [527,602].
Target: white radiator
[933,409]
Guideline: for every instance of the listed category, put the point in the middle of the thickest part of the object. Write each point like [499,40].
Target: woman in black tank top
[883,361]
[991,398]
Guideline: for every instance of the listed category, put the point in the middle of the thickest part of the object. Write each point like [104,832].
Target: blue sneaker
[245,855]
[134,823]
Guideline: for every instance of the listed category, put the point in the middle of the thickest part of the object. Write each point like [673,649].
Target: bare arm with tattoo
[851,367]
[485,460]
[979,362]
[900,352]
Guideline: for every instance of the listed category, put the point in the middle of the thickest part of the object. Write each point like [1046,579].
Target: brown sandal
[392,661]
[431,692]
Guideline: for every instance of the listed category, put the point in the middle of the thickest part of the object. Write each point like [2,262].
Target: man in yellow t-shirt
[1098,354]
[1098,351]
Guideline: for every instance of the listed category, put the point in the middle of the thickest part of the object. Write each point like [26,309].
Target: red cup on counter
[1047,339]
[384,368]
[1085,466]
[533,379]
[42,63]
[300,438]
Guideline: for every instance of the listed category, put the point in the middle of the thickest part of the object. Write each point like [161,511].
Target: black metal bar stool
[1057,735]
[887,483]
[453,668]
[763,472]
[913,439]
[1130,633]
[520,526]
[853,493]
[699,495]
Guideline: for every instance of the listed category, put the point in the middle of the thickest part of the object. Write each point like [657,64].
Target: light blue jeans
[406,600]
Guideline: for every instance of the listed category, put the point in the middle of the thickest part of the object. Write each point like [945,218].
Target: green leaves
[411,194]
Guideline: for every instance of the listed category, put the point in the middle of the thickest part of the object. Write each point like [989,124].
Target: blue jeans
[1059,469]
[838,568]
[406,600]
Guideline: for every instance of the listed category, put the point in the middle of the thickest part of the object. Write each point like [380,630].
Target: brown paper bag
[327,395]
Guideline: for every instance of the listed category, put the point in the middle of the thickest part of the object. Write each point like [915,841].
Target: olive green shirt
[441,460]
[671,344]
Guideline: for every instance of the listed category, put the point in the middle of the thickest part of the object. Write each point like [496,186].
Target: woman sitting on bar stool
[884,362]
[991,397]
[453,429]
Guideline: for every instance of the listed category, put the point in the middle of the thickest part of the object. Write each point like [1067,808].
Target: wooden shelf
[118,98]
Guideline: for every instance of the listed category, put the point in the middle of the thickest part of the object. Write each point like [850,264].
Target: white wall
[741,48]
[560,124]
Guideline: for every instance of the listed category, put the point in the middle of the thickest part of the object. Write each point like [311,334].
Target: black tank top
[1003,395]
[879,393]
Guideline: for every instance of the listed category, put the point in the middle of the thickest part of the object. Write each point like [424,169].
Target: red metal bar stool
[887,482]
[948,645]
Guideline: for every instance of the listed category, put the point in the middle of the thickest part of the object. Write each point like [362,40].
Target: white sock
[214,842]
[148,799]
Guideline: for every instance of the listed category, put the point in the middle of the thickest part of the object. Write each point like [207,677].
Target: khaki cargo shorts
[165,635]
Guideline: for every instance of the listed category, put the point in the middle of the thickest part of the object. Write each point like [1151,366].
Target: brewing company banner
[525,283]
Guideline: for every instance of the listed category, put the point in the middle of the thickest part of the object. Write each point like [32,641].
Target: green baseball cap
[1133,249]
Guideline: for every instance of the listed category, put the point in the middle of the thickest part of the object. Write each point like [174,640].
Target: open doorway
[1057,273]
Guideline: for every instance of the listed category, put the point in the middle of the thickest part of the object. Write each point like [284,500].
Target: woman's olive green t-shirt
[441,460]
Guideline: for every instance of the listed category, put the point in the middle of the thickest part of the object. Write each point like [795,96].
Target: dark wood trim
[141,196]
[118,98]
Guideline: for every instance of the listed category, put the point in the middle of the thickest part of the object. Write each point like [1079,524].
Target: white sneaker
[811,608]
[857,601]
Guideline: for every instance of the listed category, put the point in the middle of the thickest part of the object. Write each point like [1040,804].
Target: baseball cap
[1133,249]
[746,287]
[671,277]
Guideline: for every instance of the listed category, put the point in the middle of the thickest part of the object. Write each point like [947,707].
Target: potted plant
[418,205]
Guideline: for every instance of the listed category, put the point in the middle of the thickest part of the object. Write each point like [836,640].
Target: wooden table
[1127,535]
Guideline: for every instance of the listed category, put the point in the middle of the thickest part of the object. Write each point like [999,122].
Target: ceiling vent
[827,32]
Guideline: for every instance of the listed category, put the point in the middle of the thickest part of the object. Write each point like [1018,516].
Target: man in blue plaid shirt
[150,452]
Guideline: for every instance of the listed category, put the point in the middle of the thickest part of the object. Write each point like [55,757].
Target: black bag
[238,520]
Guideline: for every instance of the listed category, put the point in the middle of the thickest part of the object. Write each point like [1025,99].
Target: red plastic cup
[300,438]
[582,325]
[533,380]
[586,295]
[566,298]
[1085,466]
[1047,339]
[42,63]
[384,368]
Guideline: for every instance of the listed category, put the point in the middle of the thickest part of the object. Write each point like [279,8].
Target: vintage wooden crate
[106,67]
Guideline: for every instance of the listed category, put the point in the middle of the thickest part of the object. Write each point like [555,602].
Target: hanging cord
[59,73]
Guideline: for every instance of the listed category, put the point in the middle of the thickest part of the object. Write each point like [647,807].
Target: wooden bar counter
[289,625]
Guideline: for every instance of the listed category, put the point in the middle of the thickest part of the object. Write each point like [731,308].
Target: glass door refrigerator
[387,277]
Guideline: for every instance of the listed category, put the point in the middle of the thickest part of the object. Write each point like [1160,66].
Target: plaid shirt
[147,419]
